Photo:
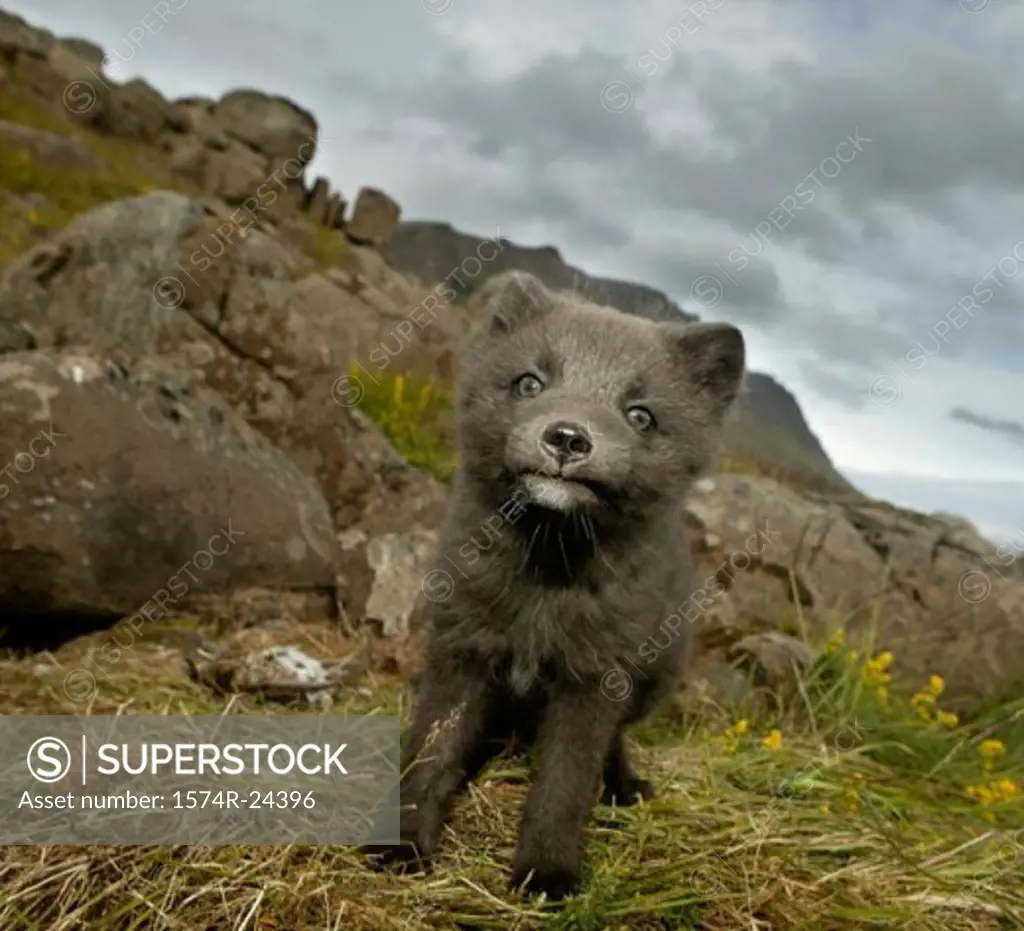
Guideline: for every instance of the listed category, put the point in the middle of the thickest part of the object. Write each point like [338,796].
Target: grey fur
[561,595]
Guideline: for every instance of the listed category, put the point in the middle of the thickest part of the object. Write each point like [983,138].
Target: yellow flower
[990,749]
[923,700]
[882,694]
[1006,789]
[824,809]
[1001,790]
[875,671]
[852,656]
[836,641]
[947,718]
[936,685]
[399,390]
[737,730]
[773,741]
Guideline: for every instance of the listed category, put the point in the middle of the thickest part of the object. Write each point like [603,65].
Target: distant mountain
[767,426]
[995,508]
[431,250]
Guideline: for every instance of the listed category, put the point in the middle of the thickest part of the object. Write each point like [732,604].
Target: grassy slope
[125,171]
[859,819]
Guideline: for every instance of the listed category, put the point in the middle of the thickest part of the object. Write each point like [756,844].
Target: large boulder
[374,218]
[121,483]
[274,126]
[198,115]
[138,111]
[158,273]
[936,593]
[234,173]
[165,276]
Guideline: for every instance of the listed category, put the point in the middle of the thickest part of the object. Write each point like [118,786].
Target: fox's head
[584,409]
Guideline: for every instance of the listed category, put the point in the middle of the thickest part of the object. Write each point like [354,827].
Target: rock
[374,218]
[274,126]
[395,295]
[83,49]
[189,157]
[235,173]
[340,277]
[399,561]
[198,115]
[941,601]
[138,111]
[309,329]
[777,659]
[334,214]
[718,683]
[324,207]
[319,198]
[66,79]
[18,38]
[177,262]
[124,483]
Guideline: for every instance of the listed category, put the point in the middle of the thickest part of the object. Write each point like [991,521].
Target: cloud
[823,193]
[1012,429]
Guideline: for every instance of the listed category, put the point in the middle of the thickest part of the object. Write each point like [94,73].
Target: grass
[834,810]
[329,248]
[415,413]
[124,170]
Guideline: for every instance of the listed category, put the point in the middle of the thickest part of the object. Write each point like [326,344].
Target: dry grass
[858,820]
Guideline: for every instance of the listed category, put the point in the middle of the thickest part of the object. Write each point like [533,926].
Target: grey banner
[210,779]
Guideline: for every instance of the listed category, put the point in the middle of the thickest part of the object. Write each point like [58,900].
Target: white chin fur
[556,494]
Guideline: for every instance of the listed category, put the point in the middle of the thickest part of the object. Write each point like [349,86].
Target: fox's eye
[641,418]
[527,386]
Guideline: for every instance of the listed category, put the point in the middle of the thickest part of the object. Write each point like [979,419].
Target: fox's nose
[567,442]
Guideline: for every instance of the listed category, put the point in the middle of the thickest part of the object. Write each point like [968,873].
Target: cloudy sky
[843,178]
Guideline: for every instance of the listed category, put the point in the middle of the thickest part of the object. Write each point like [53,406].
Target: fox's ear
[521,300]
[713,358]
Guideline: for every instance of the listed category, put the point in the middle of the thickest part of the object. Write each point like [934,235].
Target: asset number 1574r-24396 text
[200,798]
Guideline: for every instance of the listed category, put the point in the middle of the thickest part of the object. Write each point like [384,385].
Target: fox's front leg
[445,747]
[576,733]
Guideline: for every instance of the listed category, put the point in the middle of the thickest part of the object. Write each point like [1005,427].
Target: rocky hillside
[767,426]
[195,336]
